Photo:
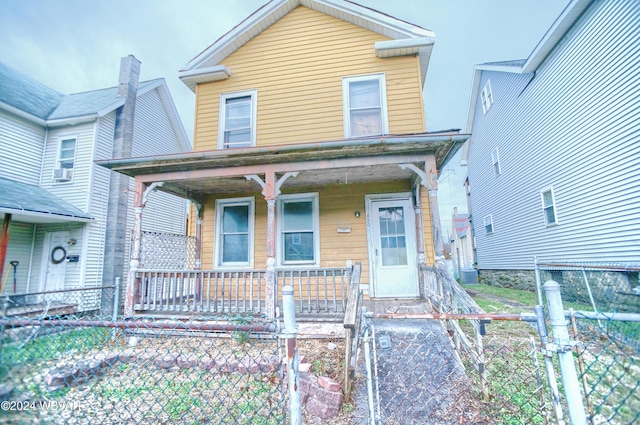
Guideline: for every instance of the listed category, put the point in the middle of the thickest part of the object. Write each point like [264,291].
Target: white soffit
[204,75]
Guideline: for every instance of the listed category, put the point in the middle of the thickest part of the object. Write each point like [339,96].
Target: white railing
[318,290]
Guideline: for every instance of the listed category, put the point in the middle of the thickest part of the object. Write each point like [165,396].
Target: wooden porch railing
[316,291]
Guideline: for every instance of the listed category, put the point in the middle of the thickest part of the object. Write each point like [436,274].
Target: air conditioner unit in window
[62,174]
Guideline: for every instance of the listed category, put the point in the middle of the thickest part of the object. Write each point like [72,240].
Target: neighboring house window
[486,96]
[549,207]
[234,232]
[365,105]
[495,159]
[299,239]
[67,152]
[238,120]
[488,224]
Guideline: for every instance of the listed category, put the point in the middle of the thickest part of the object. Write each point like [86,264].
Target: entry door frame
[51,280]
[410,230]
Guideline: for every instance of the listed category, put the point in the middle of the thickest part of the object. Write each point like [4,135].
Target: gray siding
[574,126]
[77,190]
[22,145]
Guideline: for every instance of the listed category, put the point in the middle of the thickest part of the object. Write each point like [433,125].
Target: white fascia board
[59,122]
[473,99]
[213,73]
[378,22]
[407,46]
[247,29]
[500,68]
[41,217]
[555,33]
[22,114]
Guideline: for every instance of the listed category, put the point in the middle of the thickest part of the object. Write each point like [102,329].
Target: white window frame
[222,122]
[61,139]
[486,222]
[220,204]
[546,207]
[347,107]
[495,160]
[301,197]
[486,97]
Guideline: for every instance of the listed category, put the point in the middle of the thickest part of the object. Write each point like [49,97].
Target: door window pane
[392,236]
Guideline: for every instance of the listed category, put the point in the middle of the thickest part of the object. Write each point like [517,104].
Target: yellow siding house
[311,153]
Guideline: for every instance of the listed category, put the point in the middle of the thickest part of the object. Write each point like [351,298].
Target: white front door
[55,260]
[392,248]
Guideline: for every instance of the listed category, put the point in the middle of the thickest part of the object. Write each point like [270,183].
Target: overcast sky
[76,45]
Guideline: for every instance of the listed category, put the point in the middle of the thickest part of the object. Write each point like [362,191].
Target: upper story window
[365,105]
[237,120]
[495,159]
[549,206]
[234,232]
[67,152]
[488,224]
[486,96]
[298,229]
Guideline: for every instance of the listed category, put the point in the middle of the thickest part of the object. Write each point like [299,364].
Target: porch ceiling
[314,178]
[372,159]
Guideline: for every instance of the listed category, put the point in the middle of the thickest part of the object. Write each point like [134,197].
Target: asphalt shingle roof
[26,94]
[25,197]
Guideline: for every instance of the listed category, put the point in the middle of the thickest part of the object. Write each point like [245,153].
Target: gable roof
[22,93]
[563,23]
[34,204]
[406,38]
[30,99]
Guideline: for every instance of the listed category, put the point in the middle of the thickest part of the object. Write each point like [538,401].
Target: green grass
[48,347]
[527,298]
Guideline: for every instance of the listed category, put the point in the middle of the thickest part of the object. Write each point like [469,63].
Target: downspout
[33,248]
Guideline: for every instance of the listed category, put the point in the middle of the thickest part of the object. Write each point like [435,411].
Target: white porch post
[141,194]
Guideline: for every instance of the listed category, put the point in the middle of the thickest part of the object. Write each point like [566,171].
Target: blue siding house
[554,156]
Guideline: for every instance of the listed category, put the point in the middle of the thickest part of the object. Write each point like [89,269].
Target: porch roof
[367,159]
[33,204]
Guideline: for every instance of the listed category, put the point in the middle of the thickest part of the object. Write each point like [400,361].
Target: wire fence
[596,286]
[416,359]
[90,370]
[608,359]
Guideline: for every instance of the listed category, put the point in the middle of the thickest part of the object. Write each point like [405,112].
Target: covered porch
[358,184]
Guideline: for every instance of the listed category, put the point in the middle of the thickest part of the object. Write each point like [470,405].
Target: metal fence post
[538,282]
[290,334]
[548,364]
[562,345]
[116,307]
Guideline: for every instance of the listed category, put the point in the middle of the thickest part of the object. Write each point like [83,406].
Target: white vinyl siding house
[56,139]
[568,119]
[24,164]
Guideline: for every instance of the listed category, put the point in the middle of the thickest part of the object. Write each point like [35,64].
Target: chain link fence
[418,376]
[595,286]
[608,359]
[90,370]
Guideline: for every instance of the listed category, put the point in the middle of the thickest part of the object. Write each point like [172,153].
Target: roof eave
[42,217]
[555,33]
[271,12]
[22,114]
[204,75]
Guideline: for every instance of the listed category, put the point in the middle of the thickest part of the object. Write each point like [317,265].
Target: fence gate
[501,368]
